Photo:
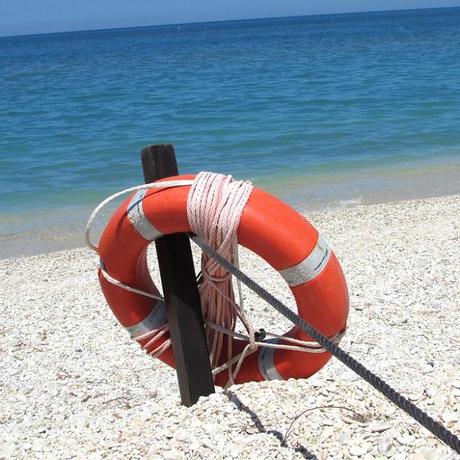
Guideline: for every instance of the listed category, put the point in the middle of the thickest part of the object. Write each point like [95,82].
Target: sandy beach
[73,384]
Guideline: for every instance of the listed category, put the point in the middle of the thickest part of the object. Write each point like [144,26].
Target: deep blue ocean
[322,110]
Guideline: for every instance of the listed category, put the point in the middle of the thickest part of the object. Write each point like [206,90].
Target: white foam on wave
[351,202]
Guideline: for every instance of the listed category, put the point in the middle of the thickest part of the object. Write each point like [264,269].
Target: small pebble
[181,435]
[358,451]
[450,417]
[379,427]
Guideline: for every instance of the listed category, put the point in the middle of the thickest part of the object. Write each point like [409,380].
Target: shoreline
[71,372]
[38,229]
[26,245]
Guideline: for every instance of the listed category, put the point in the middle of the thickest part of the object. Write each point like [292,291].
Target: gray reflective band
[138,218]
[310,267]
[155,319]
[266,363]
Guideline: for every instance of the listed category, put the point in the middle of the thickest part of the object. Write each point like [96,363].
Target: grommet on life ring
[269,228]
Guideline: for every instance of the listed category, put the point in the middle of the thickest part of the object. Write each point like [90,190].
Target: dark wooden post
[180,290]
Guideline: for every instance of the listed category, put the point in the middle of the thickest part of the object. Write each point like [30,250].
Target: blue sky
[41,16]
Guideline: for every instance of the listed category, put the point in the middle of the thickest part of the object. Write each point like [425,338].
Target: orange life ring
[269,228]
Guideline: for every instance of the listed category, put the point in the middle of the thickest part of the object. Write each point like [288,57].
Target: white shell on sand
[74,386]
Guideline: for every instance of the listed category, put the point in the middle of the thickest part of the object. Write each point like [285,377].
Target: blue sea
[323,111]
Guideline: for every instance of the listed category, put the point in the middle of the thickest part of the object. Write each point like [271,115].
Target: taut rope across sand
[378,383]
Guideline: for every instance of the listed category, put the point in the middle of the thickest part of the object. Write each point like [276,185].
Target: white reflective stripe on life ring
[310,267]
[154,320]
[138,218]
[266,362]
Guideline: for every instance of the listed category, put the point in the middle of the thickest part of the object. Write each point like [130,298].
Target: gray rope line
[394,396]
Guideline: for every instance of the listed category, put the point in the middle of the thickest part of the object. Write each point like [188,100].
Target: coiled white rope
[214,208]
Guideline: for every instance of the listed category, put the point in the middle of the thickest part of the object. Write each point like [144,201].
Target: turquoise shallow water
[324,111]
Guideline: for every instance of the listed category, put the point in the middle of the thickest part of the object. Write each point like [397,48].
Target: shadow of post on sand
[233,398]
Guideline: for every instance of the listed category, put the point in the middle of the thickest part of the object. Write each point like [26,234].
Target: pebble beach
[73,385]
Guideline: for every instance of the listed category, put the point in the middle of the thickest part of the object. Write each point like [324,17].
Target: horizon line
[76,31]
